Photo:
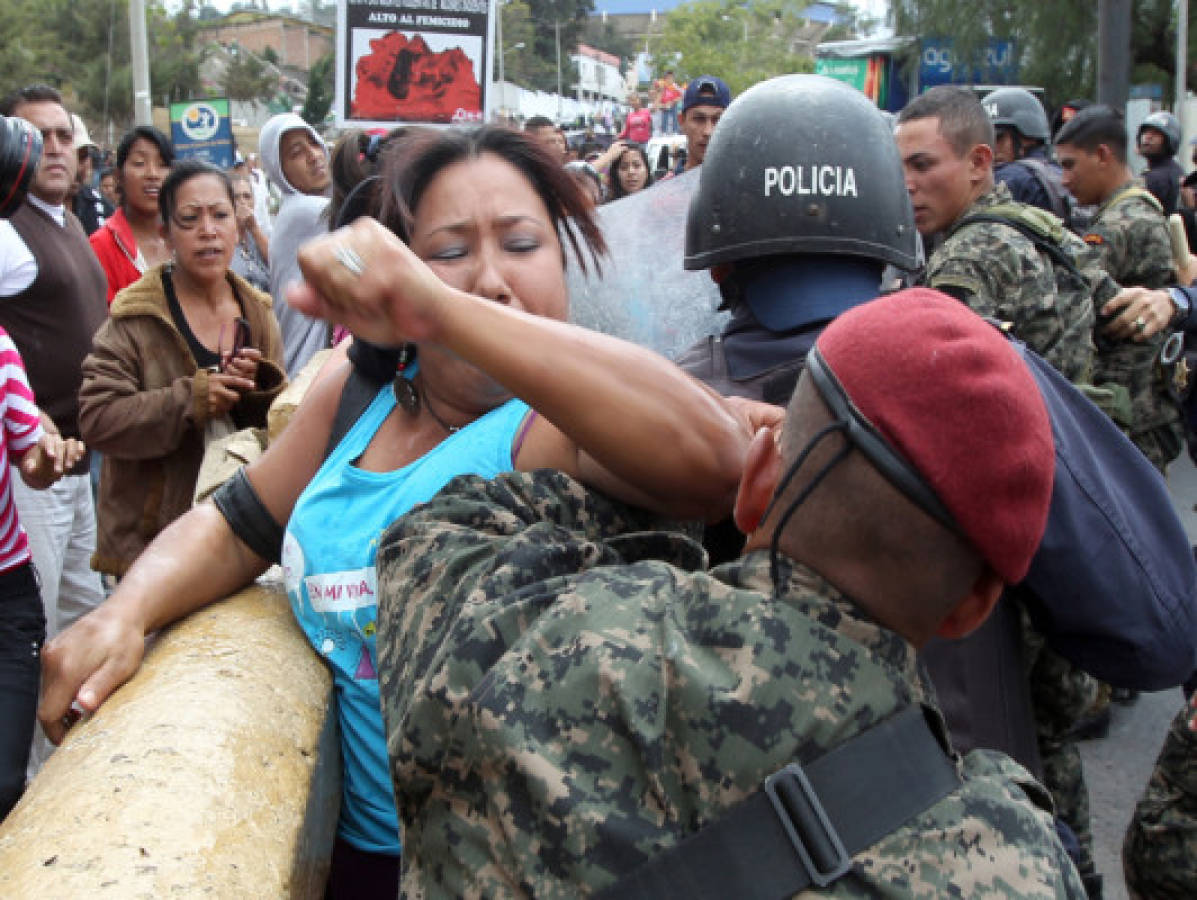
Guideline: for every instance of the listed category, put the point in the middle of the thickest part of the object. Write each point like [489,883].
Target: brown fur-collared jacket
[144,405]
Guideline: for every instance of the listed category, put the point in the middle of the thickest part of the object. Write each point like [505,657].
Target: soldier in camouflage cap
[946,143]
[1131,235]
[569,694]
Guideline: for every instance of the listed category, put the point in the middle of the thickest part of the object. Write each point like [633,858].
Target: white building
[599,77]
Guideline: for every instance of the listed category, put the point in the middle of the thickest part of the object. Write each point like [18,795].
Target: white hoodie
[300,219]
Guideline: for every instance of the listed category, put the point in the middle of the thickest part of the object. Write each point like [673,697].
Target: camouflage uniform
[999,273]
[1160,853]
[1060,694]
[1131,235]
[567,691]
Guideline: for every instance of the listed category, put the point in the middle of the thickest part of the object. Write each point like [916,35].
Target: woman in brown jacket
[189,351]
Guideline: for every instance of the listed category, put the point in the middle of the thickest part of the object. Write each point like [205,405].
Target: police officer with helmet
[1158,140]
[800,211]
[1020,155]
[20,153]
[798,220]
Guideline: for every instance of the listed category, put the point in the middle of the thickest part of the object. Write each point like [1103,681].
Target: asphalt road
[1118,766]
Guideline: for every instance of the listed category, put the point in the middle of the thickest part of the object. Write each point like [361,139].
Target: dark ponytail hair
[409,170]
[354,165]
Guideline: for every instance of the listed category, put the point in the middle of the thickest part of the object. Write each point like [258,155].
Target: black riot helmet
[801,164]
[20,153]
[802,192]
[1167,125]
[1017,108]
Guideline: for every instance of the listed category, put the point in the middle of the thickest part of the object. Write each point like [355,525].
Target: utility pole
[499,44]
[557,26]
[142,107]
[1113,52]
[1182,61]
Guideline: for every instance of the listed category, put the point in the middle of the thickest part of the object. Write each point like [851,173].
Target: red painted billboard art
[400,78]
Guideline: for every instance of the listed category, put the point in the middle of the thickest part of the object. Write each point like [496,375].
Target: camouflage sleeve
[478,541]
[996,271]
[965,279]
[1152,248]
[1135,248]
[1000,808]
[1111,244]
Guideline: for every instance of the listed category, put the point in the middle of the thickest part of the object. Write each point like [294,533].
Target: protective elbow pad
[249,518]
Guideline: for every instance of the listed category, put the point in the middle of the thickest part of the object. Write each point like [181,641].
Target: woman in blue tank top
[479,288]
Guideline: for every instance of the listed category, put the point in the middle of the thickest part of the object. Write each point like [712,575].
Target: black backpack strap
[806,822]
[1041,241]
[359,392]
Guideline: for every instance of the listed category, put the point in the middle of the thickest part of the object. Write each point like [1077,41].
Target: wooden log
[215,771]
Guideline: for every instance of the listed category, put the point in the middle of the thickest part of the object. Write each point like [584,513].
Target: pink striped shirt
[22,429]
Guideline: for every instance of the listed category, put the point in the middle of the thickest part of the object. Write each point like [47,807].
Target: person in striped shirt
[41,456]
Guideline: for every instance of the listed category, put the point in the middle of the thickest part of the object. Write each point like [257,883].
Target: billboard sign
[412,61]
[201,129]
[938,66]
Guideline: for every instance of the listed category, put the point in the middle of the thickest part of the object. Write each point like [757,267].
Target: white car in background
[663,151]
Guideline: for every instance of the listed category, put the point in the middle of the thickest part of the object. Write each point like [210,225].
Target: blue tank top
[328,568]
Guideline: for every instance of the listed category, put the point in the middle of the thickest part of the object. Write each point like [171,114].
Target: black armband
[249,518]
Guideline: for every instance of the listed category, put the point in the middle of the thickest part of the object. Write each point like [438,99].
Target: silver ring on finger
[349,258]
[1140,323]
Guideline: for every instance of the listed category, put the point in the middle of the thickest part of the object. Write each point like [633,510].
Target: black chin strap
[775,542]
[859,434]
[896,469]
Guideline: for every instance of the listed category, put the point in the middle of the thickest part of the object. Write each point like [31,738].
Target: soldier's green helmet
[801,165]
[1168,125]
[1017,108]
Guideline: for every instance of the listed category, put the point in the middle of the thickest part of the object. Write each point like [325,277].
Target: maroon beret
[950,394]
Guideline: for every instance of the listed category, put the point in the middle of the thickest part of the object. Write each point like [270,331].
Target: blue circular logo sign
[200,121]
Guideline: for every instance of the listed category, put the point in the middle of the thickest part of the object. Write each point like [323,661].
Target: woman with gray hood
[296,160]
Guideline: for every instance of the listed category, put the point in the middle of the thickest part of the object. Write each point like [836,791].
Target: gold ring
[349,258]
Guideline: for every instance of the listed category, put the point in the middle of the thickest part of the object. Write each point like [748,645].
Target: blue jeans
[22,633]
[669,120]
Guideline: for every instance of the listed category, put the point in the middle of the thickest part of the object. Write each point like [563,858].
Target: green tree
[29,47]
[320,91]
[522,65]
[1055,43]
[852,23]
[247,77]
[175,53]
[742,44]
[82,48]
[544,16]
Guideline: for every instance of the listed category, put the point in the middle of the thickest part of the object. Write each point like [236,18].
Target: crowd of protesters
[160,304]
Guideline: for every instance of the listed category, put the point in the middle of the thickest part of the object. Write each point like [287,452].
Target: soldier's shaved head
[864,536]
[962,119]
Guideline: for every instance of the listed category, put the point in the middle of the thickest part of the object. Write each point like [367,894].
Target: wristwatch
[1182,303]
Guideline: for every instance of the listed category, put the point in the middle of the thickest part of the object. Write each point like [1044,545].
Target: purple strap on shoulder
[518,443]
